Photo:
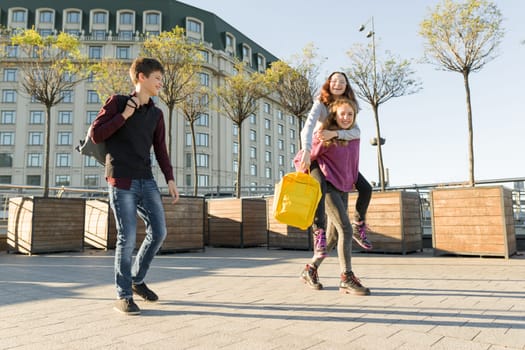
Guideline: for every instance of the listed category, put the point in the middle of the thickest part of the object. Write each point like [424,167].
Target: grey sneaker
[310,277]
[350,284]
[126,306]
[143,291]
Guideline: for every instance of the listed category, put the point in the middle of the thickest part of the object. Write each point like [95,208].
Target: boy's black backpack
[98,150]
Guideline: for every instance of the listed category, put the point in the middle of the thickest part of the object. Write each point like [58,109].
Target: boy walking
[129,134]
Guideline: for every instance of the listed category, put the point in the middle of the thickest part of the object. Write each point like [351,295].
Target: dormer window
[17,18]
[246,54]
[230,44]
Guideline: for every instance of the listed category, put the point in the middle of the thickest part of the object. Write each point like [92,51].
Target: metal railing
[423,190]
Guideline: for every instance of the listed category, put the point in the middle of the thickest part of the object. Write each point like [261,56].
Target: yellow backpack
[295,199]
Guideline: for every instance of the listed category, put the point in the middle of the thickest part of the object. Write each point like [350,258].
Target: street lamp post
[372,34]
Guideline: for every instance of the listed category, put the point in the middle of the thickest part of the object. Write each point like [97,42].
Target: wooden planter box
[473,221]
[45,225]
[394,220]
[237,222]
[100,230]
[184,222]
[284,236]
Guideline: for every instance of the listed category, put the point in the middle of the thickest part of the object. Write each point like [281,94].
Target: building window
[62,180]
[261,63]
[9,96]
[203,160]
[267,140]
[253,119]
[246,54]
[63,160]
[7,138]
[90,161]
[7,117]
[5,179]
[279,114]
[91,180]
[91,116]
[99,35]
[230,44]
[253,170]
[33,180]
[201,139]
[203,180]
[125,35]
[123,52]
[280,144]
[35,138]
[152,18]
[18,16]
[253,152]
[235,165]
[10,74]
[292,148]
[126,18]
[235,148]
[291,120]
[92,97]
[205,79]
[280,129]
[73,17]
[203,120]
[194,26]
[292,134]
[34,160]
[95,52]
[64,138]
[268,173]
[253,135]
[36,117]
[65,117]
[67,96]
[267,156]
[6,160]
[45,17]
[266,107]
[11,51]
[235,130]
[267,124]
[99,18]
[281,160]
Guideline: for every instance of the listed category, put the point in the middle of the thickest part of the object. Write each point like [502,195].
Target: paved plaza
[252,298]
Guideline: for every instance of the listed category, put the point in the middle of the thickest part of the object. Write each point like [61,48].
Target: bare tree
[182,60]
[463,37]
[193,107]
[377,81]
[238,99]
[296,82]
[51,67]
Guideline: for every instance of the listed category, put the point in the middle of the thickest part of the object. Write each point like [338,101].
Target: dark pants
[362,186]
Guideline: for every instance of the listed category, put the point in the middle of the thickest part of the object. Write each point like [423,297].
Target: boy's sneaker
[320,244]
[310,277]
[359,234]
[126,306]
[143,291]
[350,284]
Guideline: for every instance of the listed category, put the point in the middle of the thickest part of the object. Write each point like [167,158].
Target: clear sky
[426,133]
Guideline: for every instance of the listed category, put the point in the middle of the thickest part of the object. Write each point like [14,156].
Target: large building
[116,30]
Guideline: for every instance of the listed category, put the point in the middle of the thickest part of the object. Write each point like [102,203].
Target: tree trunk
[194,152]
[472,182]
[239,162]
[47,135]
[379,150]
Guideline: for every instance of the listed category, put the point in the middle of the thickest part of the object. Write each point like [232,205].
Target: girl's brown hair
[326,96]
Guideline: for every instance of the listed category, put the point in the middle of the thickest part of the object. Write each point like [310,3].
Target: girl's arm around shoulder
[352,134]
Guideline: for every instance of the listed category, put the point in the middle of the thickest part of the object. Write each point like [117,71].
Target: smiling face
[345,116]
[337,84]
[151,84]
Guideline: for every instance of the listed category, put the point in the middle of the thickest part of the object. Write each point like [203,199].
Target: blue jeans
[143,198]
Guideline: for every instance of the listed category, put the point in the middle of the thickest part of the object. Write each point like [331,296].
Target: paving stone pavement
[223,298]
